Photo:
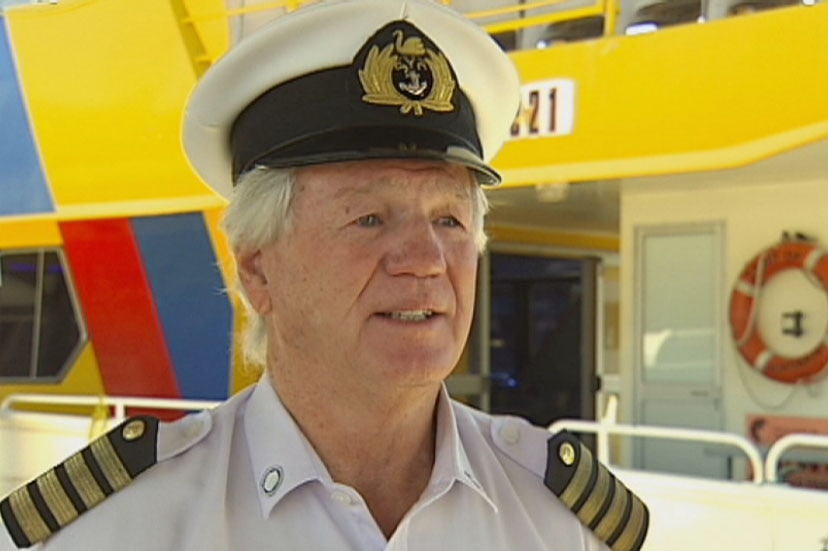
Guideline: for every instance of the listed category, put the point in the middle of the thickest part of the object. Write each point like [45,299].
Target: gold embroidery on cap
[399,75]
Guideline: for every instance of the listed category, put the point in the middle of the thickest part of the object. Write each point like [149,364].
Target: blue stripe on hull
[195,311]
[23,187]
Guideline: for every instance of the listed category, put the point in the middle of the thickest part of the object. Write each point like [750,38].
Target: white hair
[260,212]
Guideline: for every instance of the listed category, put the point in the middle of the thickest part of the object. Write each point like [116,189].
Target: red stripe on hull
[118,305]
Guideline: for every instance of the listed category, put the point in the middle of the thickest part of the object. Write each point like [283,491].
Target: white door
[679,298]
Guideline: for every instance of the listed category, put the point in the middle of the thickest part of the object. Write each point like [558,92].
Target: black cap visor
[373,143]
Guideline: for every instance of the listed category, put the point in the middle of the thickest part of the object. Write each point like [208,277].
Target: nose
[416,249]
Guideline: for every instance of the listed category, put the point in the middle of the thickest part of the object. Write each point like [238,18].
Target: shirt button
[341,497]
[271,480]
[510,434]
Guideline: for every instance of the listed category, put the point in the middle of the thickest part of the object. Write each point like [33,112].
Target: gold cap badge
[407,73]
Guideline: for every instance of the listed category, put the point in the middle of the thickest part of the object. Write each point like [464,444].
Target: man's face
[375,280]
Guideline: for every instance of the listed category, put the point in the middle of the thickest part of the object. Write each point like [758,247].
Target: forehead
[403,177]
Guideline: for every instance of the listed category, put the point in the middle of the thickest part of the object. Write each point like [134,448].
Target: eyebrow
[350,191]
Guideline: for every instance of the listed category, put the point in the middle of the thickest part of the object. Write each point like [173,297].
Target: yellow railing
[289,5]
[608,9]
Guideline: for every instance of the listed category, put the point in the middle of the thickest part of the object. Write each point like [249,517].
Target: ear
[252,276]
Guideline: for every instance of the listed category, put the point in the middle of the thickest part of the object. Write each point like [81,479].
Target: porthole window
[41,331]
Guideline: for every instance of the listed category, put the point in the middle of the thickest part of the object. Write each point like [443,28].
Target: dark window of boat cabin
[40,332]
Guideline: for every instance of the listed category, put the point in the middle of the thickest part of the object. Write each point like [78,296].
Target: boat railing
[119,404]
[788,443]
[504,19]
[761,470]
[518,16]
[603,431]
[39,430]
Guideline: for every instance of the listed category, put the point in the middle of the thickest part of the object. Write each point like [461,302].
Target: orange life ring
[788,255]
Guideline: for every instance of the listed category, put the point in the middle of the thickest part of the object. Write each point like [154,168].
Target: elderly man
[352,138]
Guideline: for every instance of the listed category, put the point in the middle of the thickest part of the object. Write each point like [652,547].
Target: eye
[450,222]
[369,220]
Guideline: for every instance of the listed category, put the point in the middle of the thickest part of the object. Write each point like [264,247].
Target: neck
[379,443]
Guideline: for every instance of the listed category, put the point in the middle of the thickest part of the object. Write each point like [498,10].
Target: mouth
[409,315]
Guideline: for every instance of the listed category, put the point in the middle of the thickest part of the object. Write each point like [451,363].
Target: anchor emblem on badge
[408,74]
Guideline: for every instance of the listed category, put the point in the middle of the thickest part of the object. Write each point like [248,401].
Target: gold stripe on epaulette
[578,485]
[83,481]
[597,497]
[27,515]
[632,530]
[614,515]
[109,462]
[56,499]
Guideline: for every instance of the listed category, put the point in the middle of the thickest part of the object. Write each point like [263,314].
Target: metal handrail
[549,18]
[290,5]
[514,9]
[118,403]
[607,8]
[787,442]
[604,430]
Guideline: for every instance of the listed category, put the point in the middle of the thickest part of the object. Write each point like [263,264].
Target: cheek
[322,274]
[464,276]
[298,305]
[301,283]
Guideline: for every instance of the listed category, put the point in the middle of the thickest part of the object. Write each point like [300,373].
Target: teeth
[411,315]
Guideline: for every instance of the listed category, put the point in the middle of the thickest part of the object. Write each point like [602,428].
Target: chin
[418,368]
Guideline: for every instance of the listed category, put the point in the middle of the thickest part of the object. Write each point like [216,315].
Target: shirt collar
[451,463]
[282,458]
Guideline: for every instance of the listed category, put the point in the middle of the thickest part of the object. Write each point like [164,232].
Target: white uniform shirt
[243,476]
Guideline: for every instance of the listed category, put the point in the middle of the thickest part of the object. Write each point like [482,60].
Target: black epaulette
[37,510]
[616,516]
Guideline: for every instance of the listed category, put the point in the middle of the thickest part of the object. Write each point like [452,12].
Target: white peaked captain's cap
[348,80]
